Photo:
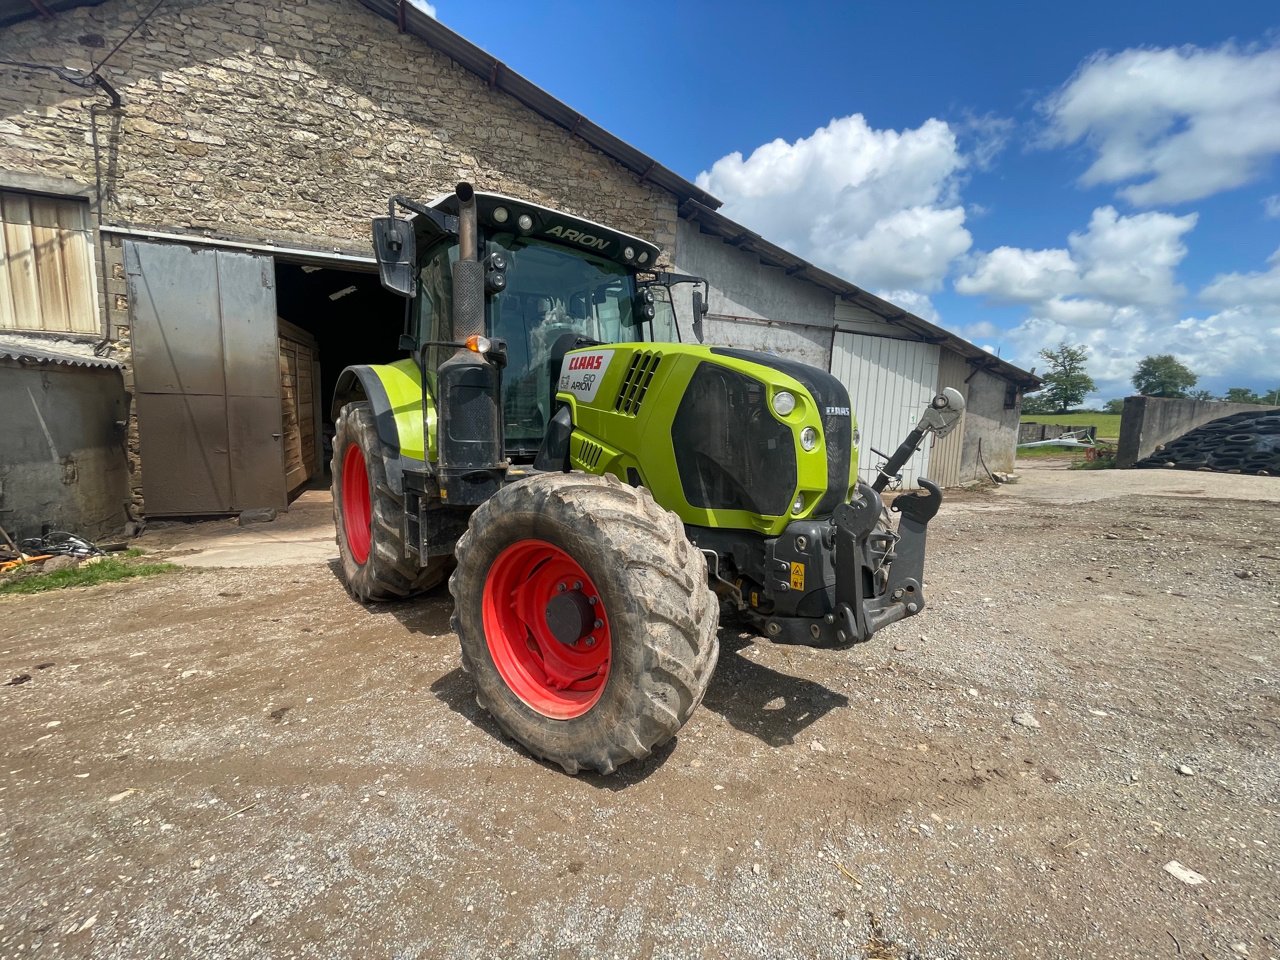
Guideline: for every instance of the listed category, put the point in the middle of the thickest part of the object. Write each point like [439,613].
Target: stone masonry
[287,122]
[283,123]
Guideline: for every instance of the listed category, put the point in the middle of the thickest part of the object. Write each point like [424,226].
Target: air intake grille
[636,383]
[589,454]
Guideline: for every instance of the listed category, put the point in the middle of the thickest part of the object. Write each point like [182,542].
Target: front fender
[394,390]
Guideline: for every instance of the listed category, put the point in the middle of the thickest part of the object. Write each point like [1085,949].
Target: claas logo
[592,361]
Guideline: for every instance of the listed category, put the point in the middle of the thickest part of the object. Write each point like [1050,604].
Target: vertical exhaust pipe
[470,443]
[468,245]
[468,272]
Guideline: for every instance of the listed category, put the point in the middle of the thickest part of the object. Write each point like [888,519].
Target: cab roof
[502,213]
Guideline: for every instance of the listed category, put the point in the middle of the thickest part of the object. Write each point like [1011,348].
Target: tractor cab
[552,282]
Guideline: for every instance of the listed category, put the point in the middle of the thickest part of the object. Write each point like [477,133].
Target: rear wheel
[585,619]
[369,516]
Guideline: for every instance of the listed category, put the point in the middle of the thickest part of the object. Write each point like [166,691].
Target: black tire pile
[1242,443]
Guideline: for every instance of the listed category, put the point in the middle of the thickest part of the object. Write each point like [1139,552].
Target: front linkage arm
[860,548]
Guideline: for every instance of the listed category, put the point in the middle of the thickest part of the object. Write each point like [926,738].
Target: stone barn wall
[291,123]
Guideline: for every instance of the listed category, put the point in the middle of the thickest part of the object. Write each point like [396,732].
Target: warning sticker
[581,373]
[797,576]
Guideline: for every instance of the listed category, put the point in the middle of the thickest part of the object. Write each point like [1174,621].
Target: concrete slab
[1058,483]
[303,535]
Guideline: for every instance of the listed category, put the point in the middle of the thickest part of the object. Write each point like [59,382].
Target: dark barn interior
[348,313]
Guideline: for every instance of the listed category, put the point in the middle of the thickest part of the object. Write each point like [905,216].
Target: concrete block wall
[753,306]
[990,429]
[63,462]
[1148,422]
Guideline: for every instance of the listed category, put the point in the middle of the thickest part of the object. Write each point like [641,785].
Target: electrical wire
[77,77]
[145,17]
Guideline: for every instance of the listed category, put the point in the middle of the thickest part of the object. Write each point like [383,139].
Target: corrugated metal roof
[72,353]
[11,11]
[772,255]
[501,77]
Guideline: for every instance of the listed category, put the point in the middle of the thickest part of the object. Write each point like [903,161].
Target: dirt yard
[242,762]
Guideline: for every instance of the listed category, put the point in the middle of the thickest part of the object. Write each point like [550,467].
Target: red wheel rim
[536,599]
[357,515]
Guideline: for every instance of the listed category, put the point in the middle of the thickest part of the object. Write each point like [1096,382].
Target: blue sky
[1022,174]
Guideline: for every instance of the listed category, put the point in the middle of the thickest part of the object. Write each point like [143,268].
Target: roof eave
[794,266]
[499,76]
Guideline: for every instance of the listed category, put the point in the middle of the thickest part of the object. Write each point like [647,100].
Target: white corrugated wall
[944,457]
[890,383]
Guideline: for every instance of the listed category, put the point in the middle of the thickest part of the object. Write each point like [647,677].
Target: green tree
[1242,395]
[1114,406]
[1163,375]
[1272,398]
[1066,383]
[1036,403]
[1201,395]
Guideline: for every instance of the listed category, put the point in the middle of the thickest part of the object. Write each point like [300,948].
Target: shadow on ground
[427,613]
[456,692]
[760,701]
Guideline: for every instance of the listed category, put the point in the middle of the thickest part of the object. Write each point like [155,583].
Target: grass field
[1108,424]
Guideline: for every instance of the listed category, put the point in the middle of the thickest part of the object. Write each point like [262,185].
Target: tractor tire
[585,619]
[369,517]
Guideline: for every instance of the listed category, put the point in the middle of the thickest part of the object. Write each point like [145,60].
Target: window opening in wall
[46,264]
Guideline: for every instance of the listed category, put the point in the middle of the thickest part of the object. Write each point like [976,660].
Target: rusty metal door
[206,369]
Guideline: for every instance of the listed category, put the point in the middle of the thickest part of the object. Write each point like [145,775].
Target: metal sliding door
[207,376]
[890,383]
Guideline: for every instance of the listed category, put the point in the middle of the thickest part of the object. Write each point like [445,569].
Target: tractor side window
[664,329]
[434,302]
[612,307]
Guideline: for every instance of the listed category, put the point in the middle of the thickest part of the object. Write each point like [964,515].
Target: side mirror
[699,311]
[396,249]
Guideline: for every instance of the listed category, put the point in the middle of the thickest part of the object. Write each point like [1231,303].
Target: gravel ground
[245,763]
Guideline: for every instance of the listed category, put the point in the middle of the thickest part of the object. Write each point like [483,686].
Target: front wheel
[584,617]
[368,516]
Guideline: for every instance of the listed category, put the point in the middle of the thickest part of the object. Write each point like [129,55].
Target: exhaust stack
[471,448]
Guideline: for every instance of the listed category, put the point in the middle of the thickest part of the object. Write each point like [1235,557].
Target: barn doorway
[329,317]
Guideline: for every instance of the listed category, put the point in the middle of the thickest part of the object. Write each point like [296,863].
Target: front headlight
[783,403]
[808,438]
[798,507]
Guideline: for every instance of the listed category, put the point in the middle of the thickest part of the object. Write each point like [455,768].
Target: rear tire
[369,516]
[560,546]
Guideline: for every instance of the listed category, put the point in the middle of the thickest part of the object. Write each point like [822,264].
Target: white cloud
[879,207]
[1173,124]
[1117,260]
[1271,206]
[984,137]
[1114,289]
[428,8]
[979,330]
[1247,289]
[1012,275]
[913,302]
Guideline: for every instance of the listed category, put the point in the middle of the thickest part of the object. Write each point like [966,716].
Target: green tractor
[601,491]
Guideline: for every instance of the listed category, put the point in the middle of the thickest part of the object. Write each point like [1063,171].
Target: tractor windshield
[551,291]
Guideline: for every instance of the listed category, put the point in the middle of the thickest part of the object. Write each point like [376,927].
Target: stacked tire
[1242,443]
